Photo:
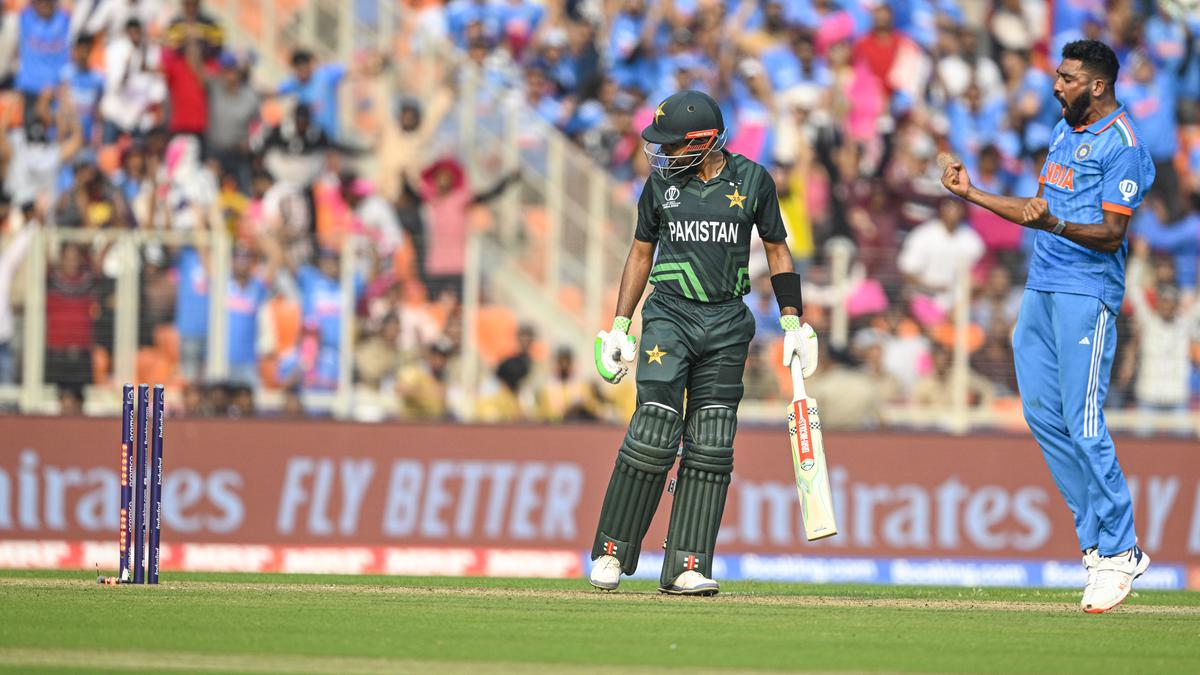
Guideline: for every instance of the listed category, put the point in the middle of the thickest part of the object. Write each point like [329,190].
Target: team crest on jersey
[1083,152]
[671,197]
[1128,189]
[736,199]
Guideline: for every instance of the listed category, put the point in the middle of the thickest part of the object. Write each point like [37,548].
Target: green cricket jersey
[703,228]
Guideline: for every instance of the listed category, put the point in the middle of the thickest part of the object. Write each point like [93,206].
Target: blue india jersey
[1090,170]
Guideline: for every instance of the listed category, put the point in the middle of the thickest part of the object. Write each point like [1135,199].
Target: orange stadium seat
[944,335]
[285,315]
[496,335]
[1012,417]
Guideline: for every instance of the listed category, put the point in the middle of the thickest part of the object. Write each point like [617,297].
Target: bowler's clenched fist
[1037,214]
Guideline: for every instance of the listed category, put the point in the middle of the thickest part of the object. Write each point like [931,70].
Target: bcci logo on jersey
[671,197]
[1128,189]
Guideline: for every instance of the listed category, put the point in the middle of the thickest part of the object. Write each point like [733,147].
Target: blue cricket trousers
[1063,346]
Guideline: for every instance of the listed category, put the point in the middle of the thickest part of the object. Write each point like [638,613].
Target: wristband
[1059,227]
[787,291]
[789,322]
[621,323]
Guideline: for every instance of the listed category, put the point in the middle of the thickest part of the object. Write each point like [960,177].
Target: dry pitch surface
[64,622]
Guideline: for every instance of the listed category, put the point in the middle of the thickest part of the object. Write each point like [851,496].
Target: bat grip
[798,391]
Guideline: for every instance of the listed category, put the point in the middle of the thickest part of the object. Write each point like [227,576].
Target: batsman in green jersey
[693,242]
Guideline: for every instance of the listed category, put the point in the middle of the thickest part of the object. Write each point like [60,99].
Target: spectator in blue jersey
[796,64]
[1167,39]
[191,312]
[83,87]
[317,86]
[584,57]
[1190,86]
[1150,95]
[1178,238]
[540,97]
[1032,110]
[975,122]
[321,305]
[245,296]
[518,21]
[631,43]
[42,47]
[553,59]
[461,14]
[680,69]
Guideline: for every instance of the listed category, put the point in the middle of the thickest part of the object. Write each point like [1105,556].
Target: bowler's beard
[1077,110]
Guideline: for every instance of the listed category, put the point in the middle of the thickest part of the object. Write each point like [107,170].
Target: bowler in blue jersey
[1095,177]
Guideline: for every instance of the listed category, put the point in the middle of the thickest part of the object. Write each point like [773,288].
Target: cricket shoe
[1091,561]
[691,582]
[606,573]
[1114,579]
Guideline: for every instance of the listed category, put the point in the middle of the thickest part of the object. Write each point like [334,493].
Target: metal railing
[120,255]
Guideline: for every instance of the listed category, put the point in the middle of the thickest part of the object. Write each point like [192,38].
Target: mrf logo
[798,427]
[1060,176]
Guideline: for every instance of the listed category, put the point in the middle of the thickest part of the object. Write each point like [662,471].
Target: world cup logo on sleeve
[671,197]
[1128,189]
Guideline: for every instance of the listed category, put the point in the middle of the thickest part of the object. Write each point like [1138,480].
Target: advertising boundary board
[565,564]
[326,496]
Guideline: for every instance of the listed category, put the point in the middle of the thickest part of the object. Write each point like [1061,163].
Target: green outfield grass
[306,623]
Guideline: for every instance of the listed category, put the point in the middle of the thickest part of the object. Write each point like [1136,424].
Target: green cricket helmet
[687,127]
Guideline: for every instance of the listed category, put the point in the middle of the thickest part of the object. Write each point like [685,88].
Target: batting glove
[799,342]
[615,350]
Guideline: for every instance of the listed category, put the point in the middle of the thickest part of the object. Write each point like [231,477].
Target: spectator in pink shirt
[447,199]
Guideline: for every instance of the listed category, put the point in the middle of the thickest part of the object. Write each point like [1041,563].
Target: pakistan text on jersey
[703,230]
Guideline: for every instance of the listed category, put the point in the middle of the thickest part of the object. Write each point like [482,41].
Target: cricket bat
[808,457]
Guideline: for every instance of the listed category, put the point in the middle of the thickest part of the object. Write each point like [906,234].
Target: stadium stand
[350,204]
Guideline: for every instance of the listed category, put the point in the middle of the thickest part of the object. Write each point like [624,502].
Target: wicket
[141,479]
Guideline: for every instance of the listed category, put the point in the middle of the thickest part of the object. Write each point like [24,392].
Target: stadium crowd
[139,114]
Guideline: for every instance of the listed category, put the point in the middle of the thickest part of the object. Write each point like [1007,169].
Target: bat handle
[798,391]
